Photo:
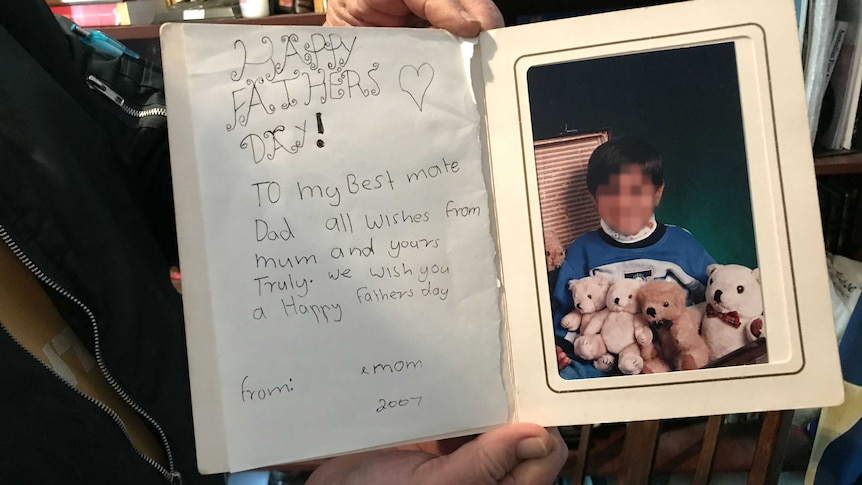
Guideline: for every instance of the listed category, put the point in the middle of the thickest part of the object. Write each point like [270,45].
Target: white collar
[640,236]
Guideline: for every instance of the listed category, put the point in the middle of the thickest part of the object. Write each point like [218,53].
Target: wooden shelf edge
[127,32]
[838,164]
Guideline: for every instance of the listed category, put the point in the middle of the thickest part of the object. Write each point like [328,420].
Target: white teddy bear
[734,311]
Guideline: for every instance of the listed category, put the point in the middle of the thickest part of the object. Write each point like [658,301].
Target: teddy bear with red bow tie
[734,308]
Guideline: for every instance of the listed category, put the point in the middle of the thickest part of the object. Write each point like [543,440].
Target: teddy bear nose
[717,296]
[650,311]
[616,301]
[578,306]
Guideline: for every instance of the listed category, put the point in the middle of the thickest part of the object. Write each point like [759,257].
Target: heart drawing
[415,81]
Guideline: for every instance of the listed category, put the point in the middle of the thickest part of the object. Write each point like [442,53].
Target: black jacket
[85,216]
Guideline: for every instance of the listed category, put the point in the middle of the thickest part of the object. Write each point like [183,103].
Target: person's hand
[176,279]
[563,360]
[520,453]
[461,17]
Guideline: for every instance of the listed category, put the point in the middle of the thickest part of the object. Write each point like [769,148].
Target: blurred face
[627,201]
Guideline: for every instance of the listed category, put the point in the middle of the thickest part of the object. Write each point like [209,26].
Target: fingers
[444,447]
[387,466]
[176,279]
[541,470]
[522,454]
[368,13]
[486,12]
[465,18]
[562,359]
[338,14]
[518,453]
[446,14]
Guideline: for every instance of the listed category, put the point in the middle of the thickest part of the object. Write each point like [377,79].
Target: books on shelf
[840,214]
[801,18]
[846,80]
[838,35]
[821,23]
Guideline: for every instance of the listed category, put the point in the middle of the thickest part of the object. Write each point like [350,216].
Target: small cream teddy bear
[618,332]
[588,295]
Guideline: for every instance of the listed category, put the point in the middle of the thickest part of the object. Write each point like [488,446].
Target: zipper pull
[103,43]
[98,85]
[176,478]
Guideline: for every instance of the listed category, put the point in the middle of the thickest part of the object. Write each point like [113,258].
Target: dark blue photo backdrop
[686,103]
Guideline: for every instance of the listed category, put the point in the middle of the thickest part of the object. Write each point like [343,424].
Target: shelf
[838,164]
[145,32]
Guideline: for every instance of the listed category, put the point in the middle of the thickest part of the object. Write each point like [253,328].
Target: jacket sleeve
[700,260]
[703,260]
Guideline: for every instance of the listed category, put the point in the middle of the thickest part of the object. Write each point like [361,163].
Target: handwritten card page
[341,284]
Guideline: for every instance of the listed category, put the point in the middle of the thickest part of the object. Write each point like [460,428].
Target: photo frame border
[788,361]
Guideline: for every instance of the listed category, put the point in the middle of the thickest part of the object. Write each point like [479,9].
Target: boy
[626,182]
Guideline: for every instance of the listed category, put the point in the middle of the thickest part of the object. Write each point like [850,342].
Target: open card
[384,233]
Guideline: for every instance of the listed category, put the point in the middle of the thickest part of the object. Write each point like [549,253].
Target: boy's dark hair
[610,158]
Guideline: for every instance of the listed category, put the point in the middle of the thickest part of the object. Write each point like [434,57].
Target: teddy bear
[653,363]
[618,330]
[734,310]
[588,295]
[554,252]
[676,326]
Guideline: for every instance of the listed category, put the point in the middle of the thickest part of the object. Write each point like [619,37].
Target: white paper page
[345,239]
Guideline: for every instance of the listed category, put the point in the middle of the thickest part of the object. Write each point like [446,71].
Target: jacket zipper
[101,86]
[171,474]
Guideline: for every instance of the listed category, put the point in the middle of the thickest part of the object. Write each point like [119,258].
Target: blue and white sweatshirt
[670,252]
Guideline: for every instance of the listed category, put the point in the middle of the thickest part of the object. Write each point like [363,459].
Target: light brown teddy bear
[554,252]
[676,325]
[653,363]
[617,332]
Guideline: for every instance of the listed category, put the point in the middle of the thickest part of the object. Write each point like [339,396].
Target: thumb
[519,453]
[485,11]
[446,14]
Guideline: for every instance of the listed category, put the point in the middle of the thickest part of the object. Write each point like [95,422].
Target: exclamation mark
[320,143]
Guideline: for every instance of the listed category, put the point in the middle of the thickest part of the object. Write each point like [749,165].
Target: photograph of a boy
[671,195]
[626,182]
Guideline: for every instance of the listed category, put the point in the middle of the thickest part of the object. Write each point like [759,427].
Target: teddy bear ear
[571,285]
[756,273]
[604,279]
[711,268]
